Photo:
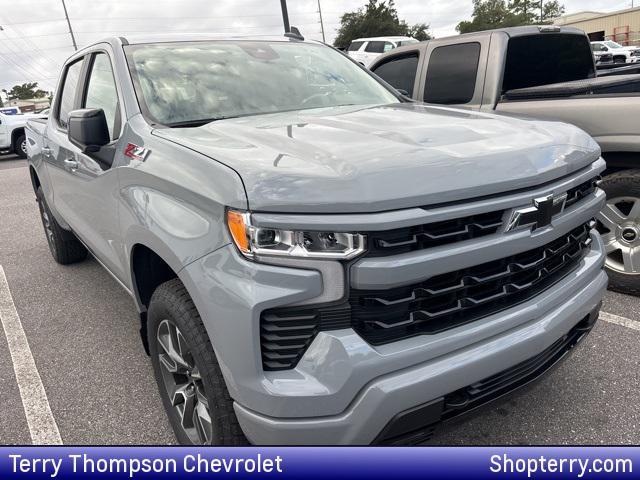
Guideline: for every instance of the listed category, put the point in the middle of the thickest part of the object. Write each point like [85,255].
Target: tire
[620,60]
[64,246]
[20,147]
[192,370]
[619,225]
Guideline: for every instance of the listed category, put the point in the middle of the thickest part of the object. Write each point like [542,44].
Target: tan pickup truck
[545,72]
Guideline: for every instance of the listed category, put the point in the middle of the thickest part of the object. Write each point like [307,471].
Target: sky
[35,40]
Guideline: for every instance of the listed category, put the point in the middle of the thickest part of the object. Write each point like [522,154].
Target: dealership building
[622,26]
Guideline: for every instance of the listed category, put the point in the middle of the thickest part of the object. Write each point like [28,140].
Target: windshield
[611,44]
[196,82]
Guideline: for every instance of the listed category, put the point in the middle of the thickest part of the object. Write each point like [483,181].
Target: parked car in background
[12,136]
[544,72]
[366,50]
[620,53]
[601,58]
[314,258]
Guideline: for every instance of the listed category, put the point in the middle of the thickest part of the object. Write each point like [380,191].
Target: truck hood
[367,159]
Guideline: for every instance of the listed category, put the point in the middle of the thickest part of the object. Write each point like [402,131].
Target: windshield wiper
[196,123]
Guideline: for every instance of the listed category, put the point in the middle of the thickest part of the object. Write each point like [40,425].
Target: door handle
[70,164]
[46,151]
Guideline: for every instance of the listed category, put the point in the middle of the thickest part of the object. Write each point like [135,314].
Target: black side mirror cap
[402,92]
[88,130]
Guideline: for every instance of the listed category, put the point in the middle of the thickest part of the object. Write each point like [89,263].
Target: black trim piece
[418,424]
[285,334]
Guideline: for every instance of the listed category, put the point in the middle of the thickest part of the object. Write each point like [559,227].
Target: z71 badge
[136,153]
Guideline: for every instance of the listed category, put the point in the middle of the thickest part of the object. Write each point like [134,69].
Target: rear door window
[377,46]
[355,46]
[400,72]
[452,72]
[69,90]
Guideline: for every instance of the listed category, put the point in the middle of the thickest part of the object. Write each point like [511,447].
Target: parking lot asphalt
[83,334]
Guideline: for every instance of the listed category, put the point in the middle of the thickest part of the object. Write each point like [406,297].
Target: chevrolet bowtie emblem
[539,215]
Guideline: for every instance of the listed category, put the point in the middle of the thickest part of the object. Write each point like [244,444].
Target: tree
[420,31]
[376,19]
[551,10]
[26,91]
[488,14]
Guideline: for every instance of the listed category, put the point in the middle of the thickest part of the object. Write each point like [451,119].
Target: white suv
[621,54]
[366,50]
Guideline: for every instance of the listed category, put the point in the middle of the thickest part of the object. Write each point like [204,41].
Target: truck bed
[616,84]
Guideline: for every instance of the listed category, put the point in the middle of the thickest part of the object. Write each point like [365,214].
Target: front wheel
[191,384]
[619,225]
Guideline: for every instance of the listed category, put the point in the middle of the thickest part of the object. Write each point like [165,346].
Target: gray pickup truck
[548,73]
[314,259]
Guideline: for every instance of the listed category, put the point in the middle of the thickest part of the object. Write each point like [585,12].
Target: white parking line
[42,425]
[625,322]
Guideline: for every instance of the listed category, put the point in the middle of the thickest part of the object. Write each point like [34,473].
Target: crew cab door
[85,188]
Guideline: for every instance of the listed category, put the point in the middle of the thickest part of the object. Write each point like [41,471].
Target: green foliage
[26,91]
[419,31]
[489,14]
[376,19]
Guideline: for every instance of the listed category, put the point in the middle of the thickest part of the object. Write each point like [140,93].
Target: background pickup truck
[543,72]
[12,136]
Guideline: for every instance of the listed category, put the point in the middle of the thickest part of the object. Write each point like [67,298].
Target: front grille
[286,333]
[456,298]
[419,237]
[575,194]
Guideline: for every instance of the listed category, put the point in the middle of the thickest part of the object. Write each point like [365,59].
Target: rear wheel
[619,225]
[191,384]
[64,246]
[619,60]
[20,147]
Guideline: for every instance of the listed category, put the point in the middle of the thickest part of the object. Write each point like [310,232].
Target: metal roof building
[622,26]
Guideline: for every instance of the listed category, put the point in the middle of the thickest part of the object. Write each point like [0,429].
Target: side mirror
[88,129]
[402,92]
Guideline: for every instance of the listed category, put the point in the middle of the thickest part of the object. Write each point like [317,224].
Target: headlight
[254,241]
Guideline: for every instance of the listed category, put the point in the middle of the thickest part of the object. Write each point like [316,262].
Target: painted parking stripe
[625,322]
[42,425]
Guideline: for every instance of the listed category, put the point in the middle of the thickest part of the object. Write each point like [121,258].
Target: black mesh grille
[286,333]
[419,237]
[456,298]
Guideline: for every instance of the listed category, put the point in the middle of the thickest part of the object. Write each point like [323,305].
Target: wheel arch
[149,269]
[15,135]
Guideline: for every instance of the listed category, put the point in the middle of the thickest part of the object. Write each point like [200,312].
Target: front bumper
[384,398]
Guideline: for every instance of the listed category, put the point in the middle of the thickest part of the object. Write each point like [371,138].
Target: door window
[400,72]
[68,96]
[102,93]
[377,46]
[452,72]
[355,46]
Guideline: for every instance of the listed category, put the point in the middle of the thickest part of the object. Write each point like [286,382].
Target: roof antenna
[294,33]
